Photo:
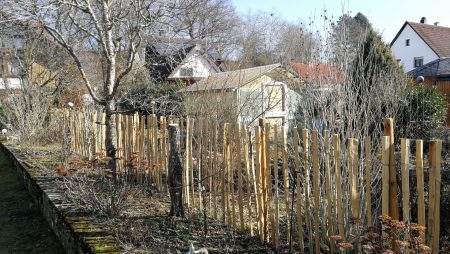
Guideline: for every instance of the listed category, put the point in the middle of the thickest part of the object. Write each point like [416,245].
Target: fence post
[286,182]
[330,203]
[405,178]
[437,179]
[385,144]
[368,144]
[393,200]
[420,183]
[337,171]
[299,194]
[175,178]
[305,136]
[315,143]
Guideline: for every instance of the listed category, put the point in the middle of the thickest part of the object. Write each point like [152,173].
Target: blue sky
[386,16]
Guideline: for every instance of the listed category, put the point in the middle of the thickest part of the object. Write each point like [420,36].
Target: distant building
[419,43]
[181,60]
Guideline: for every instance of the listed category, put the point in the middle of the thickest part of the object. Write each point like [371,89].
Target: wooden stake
[187,160]
[269,211]
[259,181]
[276,203]
[328,190]
[385,145]
[305,135]
[405,178]
[315,141]
[224,169]
[368,144]
[263,178]
[393,200]
[299,193]
[337,171]
[431,193]
[239,172]
[286,183]
[248,178]
[420,183]
[354,176]
[437,171]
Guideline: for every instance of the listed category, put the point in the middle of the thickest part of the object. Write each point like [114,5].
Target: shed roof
[436,37]
[437,68]
[231,79]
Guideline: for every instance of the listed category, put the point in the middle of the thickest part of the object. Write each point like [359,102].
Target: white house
[182,61]
[419,43]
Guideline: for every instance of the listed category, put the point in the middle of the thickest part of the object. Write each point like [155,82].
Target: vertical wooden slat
[187,161]
[337,171]
[368,144]
[248,178]
[354,176]
[437,171]
[299,193]
[393,200]
[330,203]
[269,210]
[232,169]
[405,178]
[315,143]
[420,183]
[431,194]
[307,189]
[385,144]
[259,181]
[239,172]
[223,174]
[215,168]
[286,182]
[263,178]
[276,207]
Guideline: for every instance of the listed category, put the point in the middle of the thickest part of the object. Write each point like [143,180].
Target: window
[407,42]
[186,72]
[418,61]
[14,67]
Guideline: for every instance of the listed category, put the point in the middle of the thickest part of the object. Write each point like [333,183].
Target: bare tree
[111,28]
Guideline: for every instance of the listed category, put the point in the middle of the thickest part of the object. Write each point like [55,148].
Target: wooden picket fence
[301,189]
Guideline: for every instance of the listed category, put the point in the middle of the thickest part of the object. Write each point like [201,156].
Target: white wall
[201,67]
[417,48]
[11,83]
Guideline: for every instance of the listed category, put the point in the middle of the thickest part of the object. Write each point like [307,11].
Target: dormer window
[407,42]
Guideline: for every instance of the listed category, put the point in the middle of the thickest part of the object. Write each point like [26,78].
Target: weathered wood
[307,189]
[276,204]
[405,178]
[248,178]
[187,161]
[354,176]
[368,144]
[437,212]
[431,194]
[269,211]
[286,182]
[328,190]
[299,193]
[337,171]
[315,143]
[420,183]
[258,181]
[263,178]
[239,172]
[175,173]
[393,200]
[385,145]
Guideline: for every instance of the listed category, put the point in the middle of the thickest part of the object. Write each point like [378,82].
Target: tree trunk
[110,137]
[175,173]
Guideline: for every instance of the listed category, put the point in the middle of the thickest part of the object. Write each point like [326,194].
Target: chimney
[436,23]
[423,20]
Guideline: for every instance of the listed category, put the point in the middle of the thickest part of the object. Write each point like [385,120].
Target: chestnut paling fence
[300,189]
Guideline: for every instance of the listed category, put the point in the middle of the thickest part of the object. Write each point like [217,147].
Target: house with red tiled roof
[318,74]
[419,43]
